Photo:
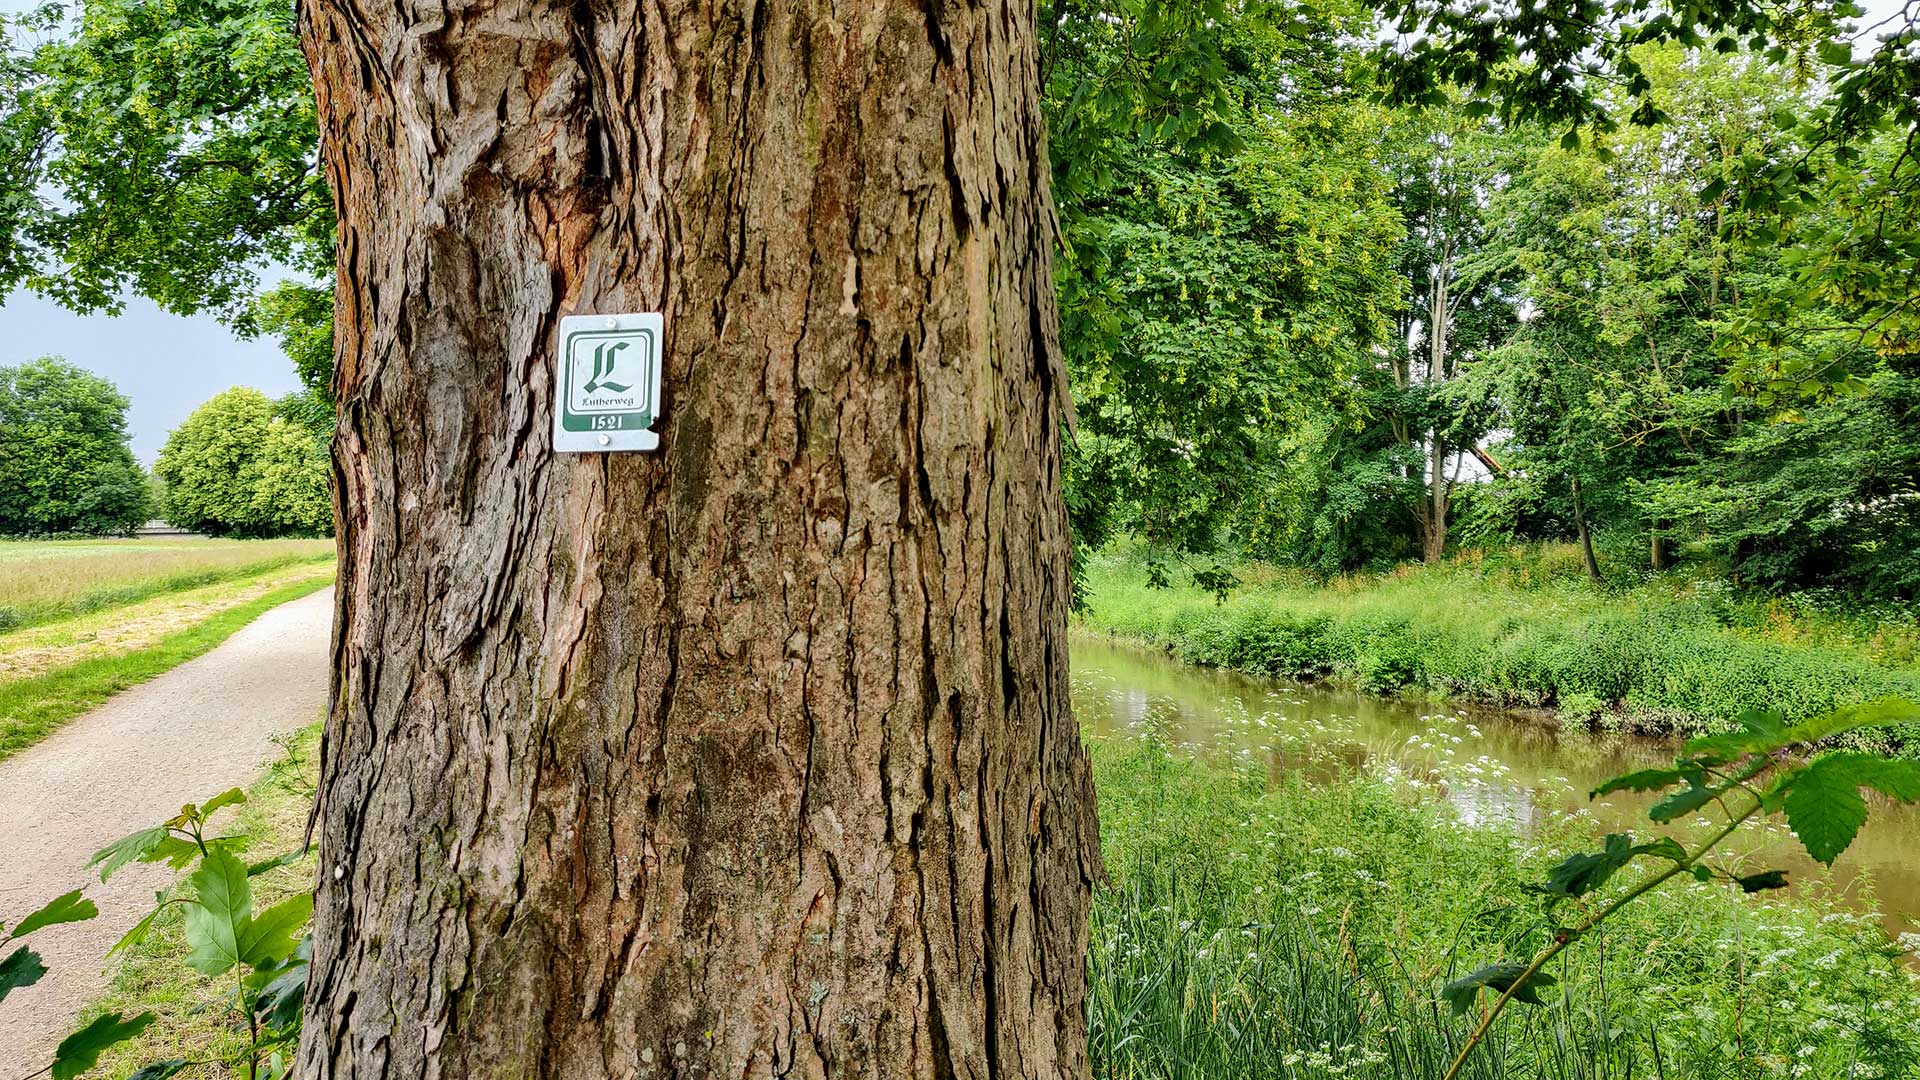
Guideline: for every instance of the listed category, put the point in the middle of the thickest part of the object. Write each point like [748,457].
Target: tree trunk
[749,757]
[1433,523]
[1586,534]
[1657,554]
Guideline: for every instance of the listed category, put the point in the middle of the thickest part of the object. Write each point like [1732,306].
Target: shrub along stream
[1664,658]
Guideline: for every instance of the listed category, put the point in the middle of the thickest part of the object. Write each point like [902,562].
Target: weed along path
[199,729]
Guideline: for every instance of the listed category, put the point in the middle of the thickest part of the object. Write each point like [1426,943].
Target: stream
[1492,766]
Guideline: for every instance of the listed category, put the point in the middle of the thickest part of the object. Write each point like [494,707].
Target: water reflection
[1492,767]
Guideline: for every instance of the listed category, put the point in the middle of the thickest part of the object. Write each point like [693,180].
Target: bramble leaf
[21,968]
[1644,780]
[1854,717]
[1823,802]
[63,909]
[1685,801]
[1760,731]
[1825,811]
[81,1050]
[1577,875]
[1461,992]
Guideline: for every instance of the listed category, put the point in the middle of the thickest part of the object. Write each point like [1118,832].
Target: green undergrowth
[1667,657]
[35,707]
[154,975]
[1303,931]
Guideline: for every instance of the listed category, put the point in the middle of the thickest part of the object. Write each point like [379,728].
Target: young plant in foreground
[22,968]
[1759,770]
[264,954]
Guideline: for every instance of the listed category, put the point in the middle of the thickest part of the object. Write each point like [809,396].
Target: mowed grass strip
[52,580]
[33,708]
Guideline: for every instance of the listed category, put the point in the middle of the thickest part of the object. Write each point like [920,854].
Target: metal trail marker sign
[609,382]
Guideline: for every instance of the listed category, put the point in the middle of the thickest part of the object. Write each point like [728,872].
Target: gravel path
[195,731]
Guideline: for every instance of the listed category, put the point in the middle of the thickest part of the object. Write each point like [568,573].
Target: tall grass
[1304,931]
[1661,658]
[44,581]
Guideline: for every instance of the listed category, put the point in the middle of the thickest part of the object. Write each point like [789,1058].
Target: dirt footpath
[201,728]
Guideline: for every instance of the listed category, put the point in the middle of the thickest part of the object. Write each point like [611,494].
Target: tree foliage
[65,466]
[240,466]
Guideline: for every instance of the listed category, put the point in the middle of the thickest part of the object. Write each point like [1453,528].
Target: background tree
[65,465]
[238,466]
[1226,257]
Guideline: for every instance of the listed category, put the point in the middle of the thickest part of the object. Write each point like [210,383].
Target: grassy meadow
[45,581]
[83,620]
[1671,654]
[1302,930]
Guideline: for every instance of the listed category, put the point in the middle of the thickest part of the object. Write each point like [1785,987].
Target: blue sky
[164,364]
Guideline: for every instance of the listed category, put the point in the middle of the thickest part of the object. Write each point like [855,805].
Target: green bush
[1651,659]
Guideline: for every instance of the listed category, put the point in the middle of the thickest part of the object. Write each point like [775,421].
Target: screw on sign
[609,380]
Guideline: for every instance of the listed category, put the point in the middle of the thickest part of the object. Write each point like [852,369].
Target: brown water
[1492,766]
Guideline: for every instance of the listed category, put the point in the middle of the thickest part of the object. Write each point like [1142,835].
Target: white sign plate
[609,383]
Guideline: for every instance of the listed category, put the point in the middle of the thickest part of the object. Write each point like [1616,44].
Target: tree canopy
[65,466]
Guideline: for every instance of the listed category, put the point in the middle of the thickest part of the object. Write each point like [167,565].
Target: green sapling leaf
[126,849]
[64,909]
[21,968]
[218,913]
[268,940]
[81,1050]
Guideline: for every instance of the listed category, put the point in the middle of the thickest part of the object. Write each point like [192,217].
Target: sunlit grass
[45,580]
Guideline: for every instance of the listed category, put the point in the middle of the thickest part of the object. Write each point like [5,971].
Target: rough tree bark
[751,757]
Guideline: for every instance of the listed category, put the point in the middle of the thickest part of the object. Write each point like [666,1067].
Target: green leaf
[218,913]
[229,797]
[126,849]
[1685,801]
[81,1050]
[268,939]
[1578,875]
[64,909]
[1824,808]
[1644,780]
[278,1004]
[1760,731]
[1765,879]
[160,1070]
[21,968]
[1462,992]
[1879,713]
[287,858]
[140,929]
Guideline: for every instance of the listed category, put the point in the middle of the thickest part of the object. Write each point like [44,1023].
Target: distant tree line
[242,465]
